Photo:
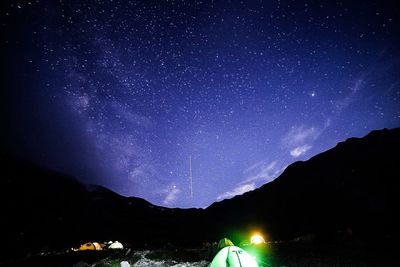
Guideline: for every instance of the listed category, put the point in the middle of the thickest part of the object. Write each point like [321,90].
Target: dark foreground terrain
[296,254]
[346,198]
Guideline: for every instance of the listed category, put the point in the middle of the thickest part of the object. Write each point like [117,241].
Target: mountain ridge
[330,194]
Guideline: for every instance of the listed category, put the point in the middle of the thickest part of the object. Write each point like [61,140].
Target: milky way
[122,93]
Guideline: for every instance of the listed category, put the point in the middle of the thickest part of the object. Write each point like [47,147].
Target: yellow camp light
[257,239]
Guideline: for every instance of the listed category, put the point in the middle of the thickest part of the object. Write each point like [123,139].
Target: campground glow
[257,239]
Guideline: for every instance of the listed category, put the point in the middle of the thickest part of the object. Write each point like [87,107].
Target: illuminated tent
[233,257]
[115,245]
[224,242]
[257,239]
[90,246]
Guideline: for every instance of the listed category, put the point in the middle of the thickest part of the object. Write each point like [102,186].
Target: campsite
[273,254]
[348,233]
[199,133]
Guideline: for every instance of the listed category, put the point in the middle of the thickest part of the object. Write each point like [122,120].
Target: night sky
[123,93]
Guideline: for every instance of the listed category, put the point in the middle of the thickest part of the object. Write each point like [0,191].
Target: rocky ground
[281,254]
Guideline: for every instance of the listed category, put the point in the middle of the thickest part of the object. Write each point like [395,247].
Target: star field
[122,93]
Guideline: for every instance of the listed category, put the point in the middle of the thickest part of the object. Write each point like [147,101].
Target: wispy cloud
[299,135]
[300,150]
[343,103]
[241,189]
[258,173]
[261,171]
[300,139]
[172,193]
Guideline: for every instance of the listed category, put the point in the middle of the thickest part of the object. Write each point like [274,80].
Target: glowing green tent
[224,242]
[233,257]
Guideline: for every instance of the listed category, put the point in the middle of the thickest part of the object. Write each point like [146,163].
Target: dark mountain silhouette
[350,188]
[346,193]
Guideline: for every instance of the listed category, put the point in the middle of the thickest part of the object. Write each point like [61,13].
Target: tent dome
[116,245]
[233,257]
[224,242]
[90,246]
